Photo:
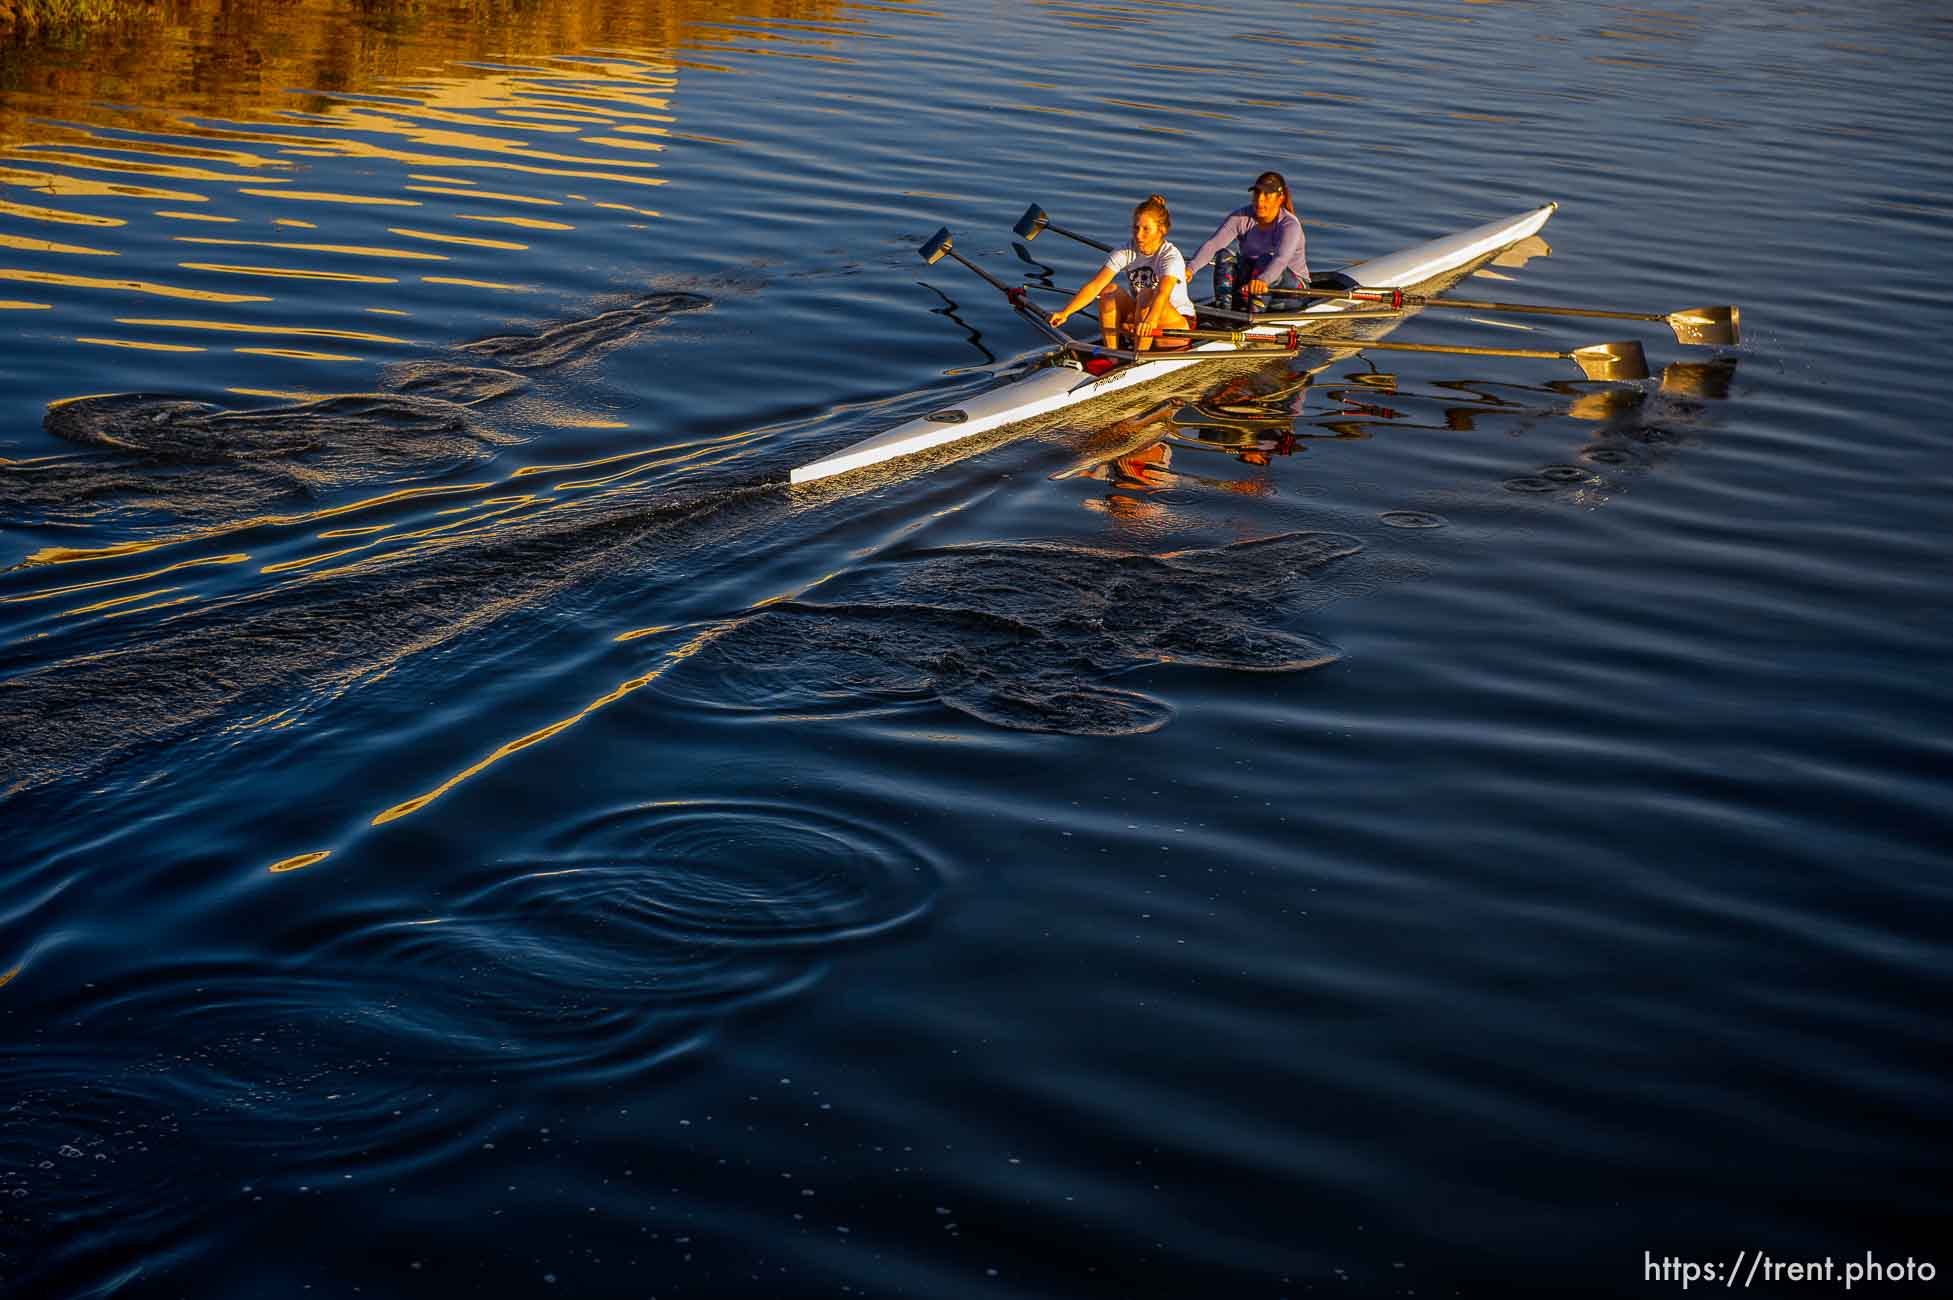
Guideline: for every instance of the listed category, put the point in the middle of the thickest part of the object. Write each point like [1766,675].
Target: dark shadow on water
[159,458]
[1023,636]
[582,341]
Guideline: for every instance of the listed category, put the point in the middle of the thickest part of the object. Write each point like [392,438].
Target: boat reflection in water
[1260,417]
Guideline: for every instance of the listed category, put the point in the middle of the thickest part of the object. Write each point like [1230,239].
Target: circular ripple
[1565,474]
[1411,519]
[642,928]
[753,875]
[1606,456]
[1531,483]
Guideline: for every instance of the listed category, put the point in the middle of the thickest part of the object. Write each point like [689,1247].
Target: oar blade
[1624,360]
[1707,327]
[935,246]
[1031,223]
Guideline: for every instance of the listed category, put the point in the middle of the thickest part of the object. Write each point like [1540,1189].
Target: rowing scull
[1062,381]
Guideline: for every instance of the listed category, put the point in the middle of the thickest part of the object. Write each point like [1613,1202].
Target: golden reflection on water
[471,241]
[213,134]
[138,344]
[83,554]
[350,250]
[516,746]
[238,327]
[56,215]
[129,286]
[462,122]
[72,588]
[114,601]
[49,246]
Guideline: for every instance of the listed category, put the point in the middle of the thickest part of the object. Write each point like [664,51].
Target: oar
[1708,327]
[1034,220]
[939,245]
[1623,360]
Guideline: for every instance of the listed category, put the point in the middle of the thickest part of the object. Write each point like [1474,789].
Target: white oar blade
[1623,360]
[1707,327]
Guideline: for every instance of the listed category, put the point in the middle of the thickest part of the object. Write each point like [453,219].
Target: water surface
[468,825]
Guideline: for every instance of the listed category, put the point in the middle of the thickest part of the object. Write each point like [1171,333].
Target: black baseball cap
[1269,183]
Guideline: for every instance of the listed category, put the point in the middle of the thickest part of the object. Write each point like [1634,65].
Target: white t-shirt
[1144,273]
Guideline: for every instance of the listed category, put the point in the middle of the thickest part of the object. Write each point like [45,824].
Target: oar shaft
[1291,339]
[1318,340]
[1016,295]
[1703,326]
[1532,309]
[995,283]
[1614,361]
[1086,240]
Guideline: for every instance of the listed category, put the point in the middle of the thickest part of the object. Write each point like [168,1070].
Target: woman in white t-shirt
[1158,296]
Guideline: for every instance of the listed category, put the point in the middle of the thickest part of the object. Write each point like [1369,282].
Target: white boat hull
[1055,387]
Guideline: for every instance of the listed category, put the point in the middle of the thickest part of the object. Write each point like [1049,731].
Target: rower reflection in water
[1158,276]
[1272,254]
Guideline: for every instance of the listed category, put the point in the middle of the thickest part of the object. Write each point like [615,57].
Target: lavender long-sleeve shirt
[1268,250]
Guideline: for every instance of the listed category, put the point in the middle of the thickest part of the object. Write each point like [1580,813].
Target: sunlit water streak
[451,786]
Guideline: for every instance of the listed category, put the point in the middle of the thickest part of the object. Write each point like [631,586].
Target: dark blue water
[468,827]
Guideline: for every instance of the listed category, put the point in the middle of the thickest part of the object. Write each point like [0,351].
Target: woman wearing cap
[1273,252]
[1158,276]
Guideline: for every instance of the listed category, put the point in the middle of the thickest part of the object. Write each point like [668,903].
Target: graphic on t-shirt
[1146,271]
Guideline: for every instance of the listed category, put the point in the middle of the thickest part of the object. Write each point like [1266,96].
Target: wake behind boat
[1075,372]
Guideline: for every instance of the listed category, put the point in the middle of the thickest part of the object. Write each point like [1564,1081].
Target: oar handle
[1287,338]
[1396,298]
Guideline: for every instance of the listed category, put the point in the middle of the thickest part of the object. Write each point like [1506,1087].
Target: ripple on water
[586,339]
[613,955]
[1411,519]
[200,461]
[1607,456]
[465,385]
[176,1081]
[86,1153]
[1020,635]
[748,874]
